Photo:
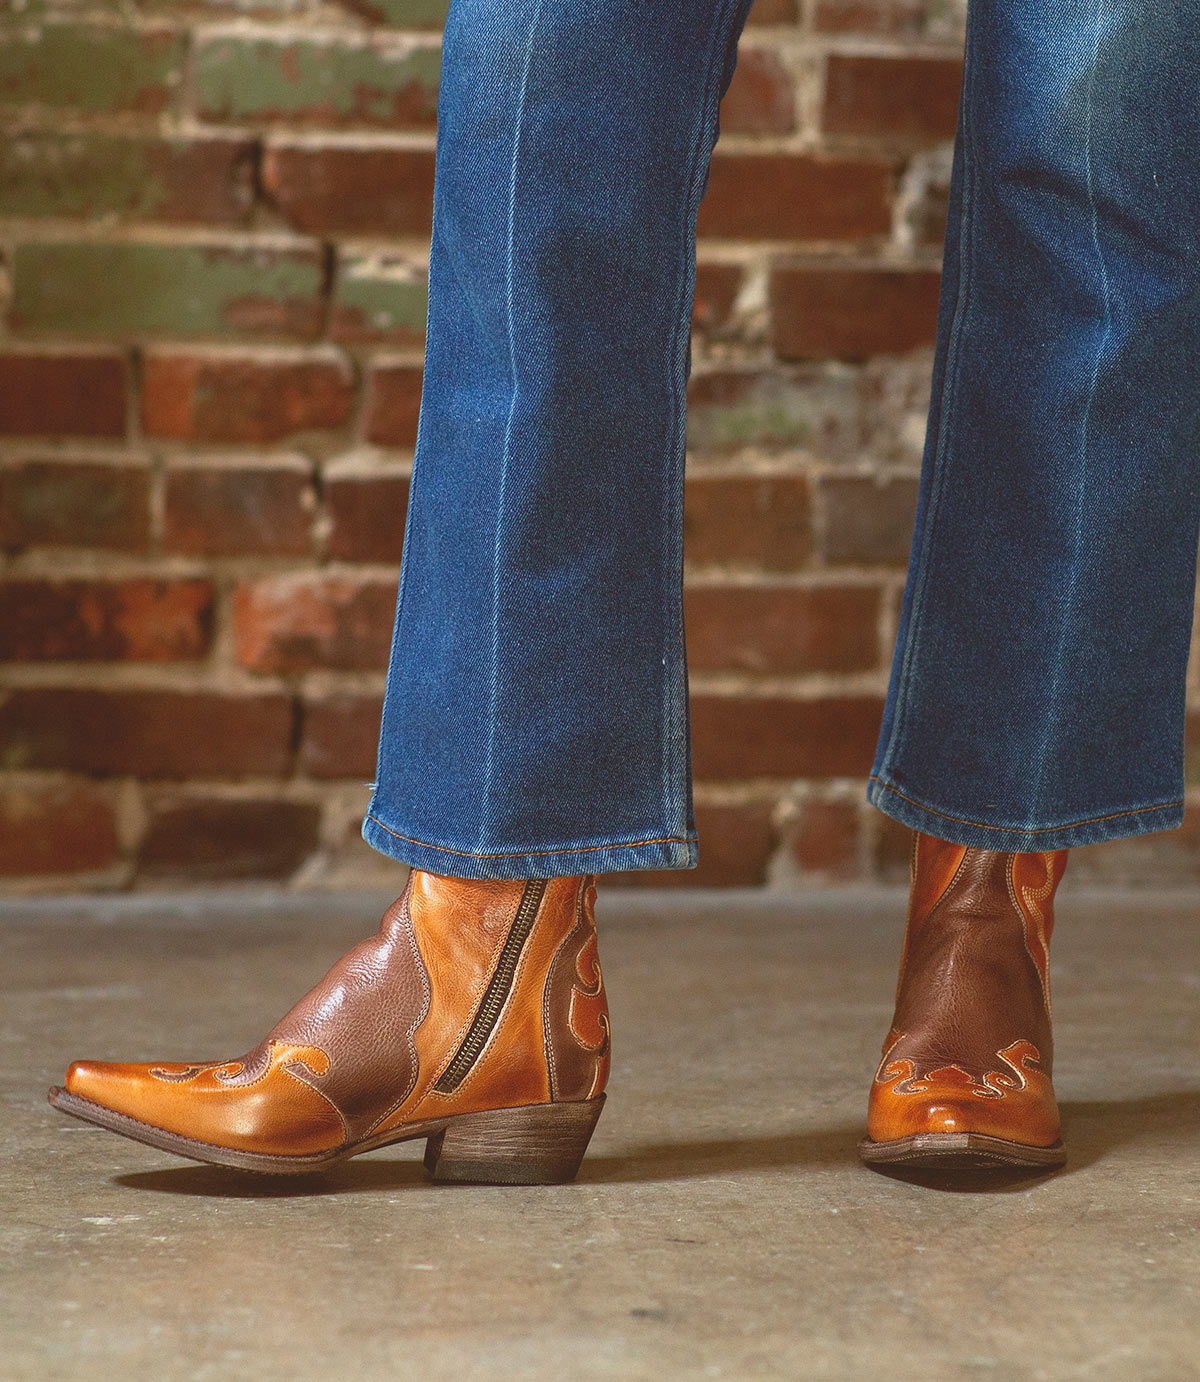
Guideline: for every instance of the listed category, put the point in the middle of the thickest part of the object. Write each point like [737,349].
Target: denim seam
[1067,603]
[952,369]
[522,853]
[409,513]
[679,770]
[506,449]
[1022,829]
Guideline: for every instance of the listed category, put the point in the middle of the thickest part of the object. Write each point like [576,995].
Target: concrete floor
[722,1226]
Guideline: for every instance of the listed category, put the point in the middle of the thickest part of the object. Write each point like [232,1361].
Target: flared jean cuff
[577,857]
[947,823]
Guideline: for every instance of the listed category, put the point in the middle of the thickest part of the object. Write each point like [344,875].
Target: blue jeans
[535,720]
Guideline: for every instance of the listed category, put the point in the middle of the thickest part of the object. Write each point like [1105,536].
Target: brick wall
[213,221]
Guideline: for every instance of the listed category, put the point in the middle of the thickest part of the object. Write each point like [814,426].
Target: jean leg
[535,718]
[1037,693]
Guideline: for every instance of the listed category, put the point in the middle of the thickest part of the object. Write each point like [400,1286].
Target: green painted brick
[328,83]
[405,14]
[178,290]
[378,300]
[91,176]
[52,175]
[89,68]
[748,424]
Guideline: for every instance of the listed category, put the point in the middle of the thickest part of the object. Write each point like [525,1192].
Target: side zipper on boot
[498,989]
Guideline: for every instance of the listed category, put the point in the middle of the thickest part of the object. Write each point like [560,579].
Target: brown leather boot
[475,1018]
[964,1081]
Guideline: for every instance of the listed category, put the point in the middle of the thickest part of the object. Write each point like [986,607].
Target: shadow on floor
[1093,1129]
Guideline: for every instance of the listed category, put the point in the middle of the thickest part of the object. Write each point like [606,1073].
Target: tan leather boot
[475,1018]
[964,1081]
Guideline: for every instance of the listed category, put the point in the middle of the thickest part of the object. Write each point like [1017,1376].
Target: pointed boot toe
[120,1086]
[475,1018]
[965,1078]
[120,1089]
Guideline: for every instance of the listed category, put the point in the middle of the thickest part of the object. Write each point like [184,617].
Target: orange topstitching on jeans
[1016,830]
[525,853]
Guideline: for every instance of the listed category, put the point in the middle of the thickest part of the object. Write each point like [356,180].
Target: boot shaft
[517,1011]
[970,1050]
[954,885]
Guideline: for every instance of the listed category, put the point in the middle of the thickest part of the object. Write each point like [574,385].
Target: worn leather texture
[575,1009]
[514,1067]
[360,1053]
[971,1047]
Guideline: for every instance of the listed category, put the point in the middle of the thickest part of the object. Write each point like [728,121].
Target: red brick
[761,98]
[825,839]
[773,12]
[393,405]
[297,622]
[892,98]
[132,620]
[331,188]
[340,736]
[927,217]
[821,312]
[897,17]
[146,733]
[796,197]
[780,629]
[213,840]
[721,386]
[74,503]
[736,844]
[55,828]
[763,521]
[717,287]
[62,395]
[233,510]
[367,514]
[868,522]
[893,850]
[236,398]
[205,181]
[740,737]
[1192,749]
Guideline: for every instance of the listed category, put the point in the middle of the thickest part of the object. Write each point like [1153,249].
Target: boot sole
[959,1151]
[539,1144]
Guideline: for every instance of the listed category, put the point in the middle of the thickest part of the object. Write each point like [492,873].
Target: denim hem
[564,862]
[946,825]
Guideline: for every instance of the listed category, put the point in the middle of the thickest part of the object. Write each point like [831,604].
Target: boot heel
[541,1144]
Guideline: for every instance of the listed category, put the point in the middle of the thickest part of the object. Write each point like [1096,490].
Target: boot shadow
[1092,1130]
[666,1161]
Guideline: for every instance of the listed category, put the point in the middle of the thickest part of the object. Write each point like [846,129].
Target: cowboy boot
[964,1081]
[476,1018]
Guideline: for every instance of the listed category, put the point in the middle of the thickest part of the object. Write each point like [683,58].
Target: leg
[1037,695]
[535,726]
[536,712]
